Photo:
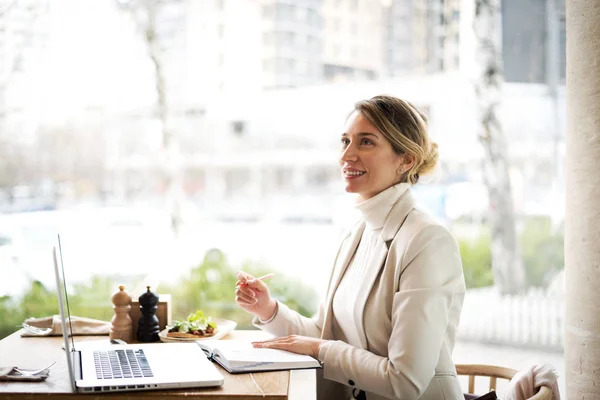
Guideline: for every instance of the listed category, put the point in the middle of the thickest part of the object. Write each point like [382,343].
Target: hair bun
[430,160]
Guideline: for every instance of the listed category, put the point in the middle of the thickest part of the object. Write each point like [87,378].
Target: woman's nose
[348,154]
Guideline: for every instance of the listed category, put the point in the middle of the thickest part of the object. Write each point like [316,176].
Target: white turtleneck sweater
[374,212]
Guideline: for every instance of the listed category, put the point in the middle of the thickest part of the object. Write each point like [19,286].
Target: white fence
[535,319]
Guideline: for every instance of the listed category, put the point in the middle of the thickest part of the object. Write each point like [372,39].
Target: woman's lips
[353,174]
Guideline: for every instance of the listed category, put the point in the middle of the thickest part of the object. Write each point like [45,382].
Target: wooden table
[35,352]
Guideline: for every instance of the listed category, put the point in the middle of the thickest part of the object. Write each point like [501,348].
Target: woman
[387,327]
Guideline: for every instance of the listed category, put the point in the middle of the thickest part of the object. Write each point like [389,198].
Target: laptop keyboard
[113,364]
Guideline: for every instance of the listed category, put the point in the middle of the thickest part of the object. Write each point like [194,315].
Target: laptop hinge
[76,357]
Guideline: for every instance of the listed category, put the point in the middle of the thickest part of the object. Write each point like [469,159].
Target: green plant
[477,261]
[38,302]
[542,248]
[93,299]
[10,316]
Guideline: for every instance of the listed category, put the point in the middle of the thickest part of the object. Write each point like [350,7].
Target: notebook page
[243,352]
[263,355]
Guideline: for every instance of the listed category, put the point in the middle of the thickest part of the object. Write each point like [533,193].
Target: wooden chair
[494,372]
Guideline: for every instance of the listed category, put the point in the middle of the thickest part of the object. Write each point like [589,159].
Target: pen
[262,278]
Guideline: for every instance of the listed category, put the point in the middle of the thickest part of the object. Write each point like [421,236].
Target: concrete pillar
[582,227]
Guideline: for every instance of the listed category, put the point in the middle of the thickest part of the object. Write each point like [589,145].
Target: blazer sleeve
[431,279]
[289,322]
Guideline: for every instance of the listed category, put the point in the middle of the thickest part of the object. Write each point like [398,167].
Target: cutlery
[34,330]
[34,372]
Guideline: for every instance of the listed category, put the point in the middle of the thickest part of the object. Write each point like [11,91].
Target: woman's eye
[345,142]
[366,141]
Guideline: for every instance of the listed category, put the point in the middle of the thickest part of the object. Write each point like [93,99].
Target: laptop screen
[63,306]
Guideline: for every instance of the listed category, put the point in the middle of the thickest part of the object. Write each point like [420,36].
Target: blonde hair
[405,127]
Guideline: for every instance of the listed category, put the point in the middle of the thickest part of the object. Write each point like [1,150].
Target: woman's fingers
[246,280]
[242,277]
[244,302]
[287,343]
[276,345]
[246,298]
[294,343]
[276,341]
[245,293]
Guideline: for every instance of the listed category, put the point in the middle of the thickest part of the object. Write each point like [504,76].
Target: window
[249,156]
[301,14]
[285,12]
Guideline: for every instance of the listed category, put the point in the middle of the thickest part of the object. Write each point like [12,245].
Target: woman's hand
[253,296]
[294,343]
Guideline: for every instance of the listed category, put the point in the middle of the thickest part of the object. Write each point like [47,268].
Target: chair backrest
[492,371]
[495,372]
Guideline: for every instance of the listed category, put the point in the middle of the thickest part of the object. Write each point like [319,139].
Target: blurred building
[251,45]
[272,44]
[353,40]
[534,52]
[407,34]
[23,36]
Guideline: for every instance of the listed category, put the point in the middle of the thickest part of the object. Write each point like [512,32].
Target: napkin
[528,381]
[10,374]
[80,326]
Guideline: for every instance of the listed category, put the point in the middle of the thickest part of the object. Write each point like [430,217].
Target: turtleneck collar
[376,209]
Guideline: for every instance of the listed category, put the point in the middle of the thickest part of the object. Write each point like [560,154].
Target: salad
[196,325]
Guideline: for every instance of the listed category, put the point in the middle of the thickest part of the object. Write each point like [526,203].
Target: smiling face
[368,161]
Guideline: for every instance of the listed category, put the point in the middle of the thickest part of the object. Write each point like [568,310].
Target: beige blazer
[412,298]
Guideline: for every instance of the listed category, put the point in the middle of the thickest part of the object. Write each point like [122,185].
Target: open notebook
[238,356]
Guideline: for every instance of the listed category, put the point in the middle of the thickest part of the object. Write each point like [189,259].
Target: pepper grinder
[148,326]
[121,324]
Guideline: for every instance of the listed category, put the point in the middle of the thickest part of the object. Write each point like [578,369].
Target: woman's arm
[289,322]
[431,280]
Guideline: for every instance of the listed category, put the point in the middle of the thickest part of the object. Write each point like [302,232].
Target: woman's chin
[351,188]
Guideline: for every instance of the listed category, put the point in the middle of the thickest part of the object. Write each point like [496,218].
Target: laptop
[116,368]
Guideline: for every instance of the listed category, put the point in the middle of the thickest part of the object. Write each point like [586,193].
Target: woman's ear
[407,161]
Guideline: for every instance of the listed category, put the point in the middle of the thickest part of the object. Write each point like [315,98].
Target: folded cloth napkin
[527,382]
[80,326]
[10,374]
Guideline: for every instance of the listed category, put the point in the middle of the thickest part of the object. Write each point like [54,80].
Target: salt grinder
[121,324]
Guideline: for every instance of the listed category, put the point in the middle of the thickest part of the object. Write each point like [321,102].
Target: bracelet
[272,316]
